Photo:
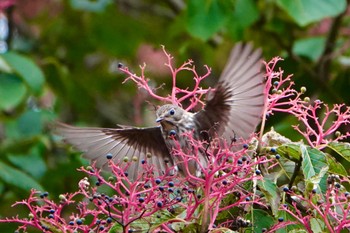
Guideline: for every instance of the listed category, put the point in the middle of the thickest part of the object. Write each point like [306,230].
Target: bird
[233,109]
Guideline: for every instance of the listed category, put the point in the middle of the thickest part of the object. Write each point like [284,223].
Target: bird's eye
[172,112]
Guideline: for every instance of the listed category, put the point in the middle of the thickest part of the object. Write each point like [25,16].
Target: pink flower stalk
[283,98]
[226,173]
[178,96]
[331,208]
[151,196]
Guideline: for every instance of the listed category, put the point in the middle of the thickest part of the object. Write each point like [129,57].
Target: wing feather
[129,142]
[234,109]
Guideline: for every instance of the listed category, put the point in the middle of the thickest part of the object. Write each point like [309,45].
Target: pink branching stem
[333,209]
[281,97]
[218,179]
[178,96]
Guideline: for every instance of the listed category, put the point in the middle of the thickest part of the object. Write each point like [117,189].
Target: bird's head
[169,114]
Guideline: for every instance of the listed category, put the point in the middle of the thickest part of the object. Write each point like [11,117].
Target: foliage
[63,63]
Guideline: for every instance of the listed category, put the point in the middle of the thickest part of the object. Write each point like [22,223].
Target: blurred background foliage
[63,55]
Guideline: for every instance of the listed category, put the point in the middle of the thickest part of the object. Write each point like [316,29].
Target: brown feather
[234,109]
[123,142]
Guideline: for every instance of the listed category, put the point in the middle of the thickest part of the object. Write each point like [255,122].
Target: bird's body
[233,110]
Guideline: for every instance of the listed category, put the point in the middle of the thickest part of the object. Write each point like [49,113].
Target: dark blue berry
[109,220]
[273,150]
[171,184]
[275,83]
[337,185]
[161,188]
[244,158]
[158,181]
[130,231]
[172,132]
[143,161]
[224,182]
[141,200]
[160,204]
[263,230]
[277,156]
[285,189]
[126,174]
[51,216]
[52,211]
[71,223]
[109,156]
[199,196]
[179,199]
[98,221]
[120,65]
[146,186]
[314,191]
[346,194]
[44,194]
[239,161]
[280,219]
[247,198]
[170,190]
[258,172]
[101,228]
[79,221]
[97,183]
[245,146]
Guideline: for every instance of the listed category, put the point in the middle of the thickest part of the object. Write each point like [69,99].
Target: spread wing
[234,109]
[123,142]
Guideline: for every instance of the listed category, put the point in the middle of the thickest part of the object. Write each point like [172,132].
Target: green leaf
[116,228]
[160,218]
[290,228]
[290,151]
[342,148]
[307,166]
[335,167]
[246,12]
[244,15]
[270,191]
[261,220]
[314,167]
[32,163]
[311,48]
[313,161]
[26,69]
[28,124]
[17,178]
[88,5]
[298,230]
[205,18]
[12,91]
[304,12]
[317,225]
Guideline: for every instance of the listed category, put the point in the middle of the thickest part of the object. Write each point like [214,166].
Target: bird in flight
[233,110]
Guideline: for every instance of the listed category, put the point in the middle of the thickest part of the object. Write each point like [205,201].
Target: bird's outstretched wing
[235,107]
[123,142]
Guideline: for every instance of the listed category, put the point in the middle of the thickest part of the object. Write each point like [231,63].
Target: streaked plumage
[233,110]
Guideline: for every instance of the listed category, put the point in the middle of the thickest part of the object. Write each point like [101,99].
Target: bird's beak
[159,119]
